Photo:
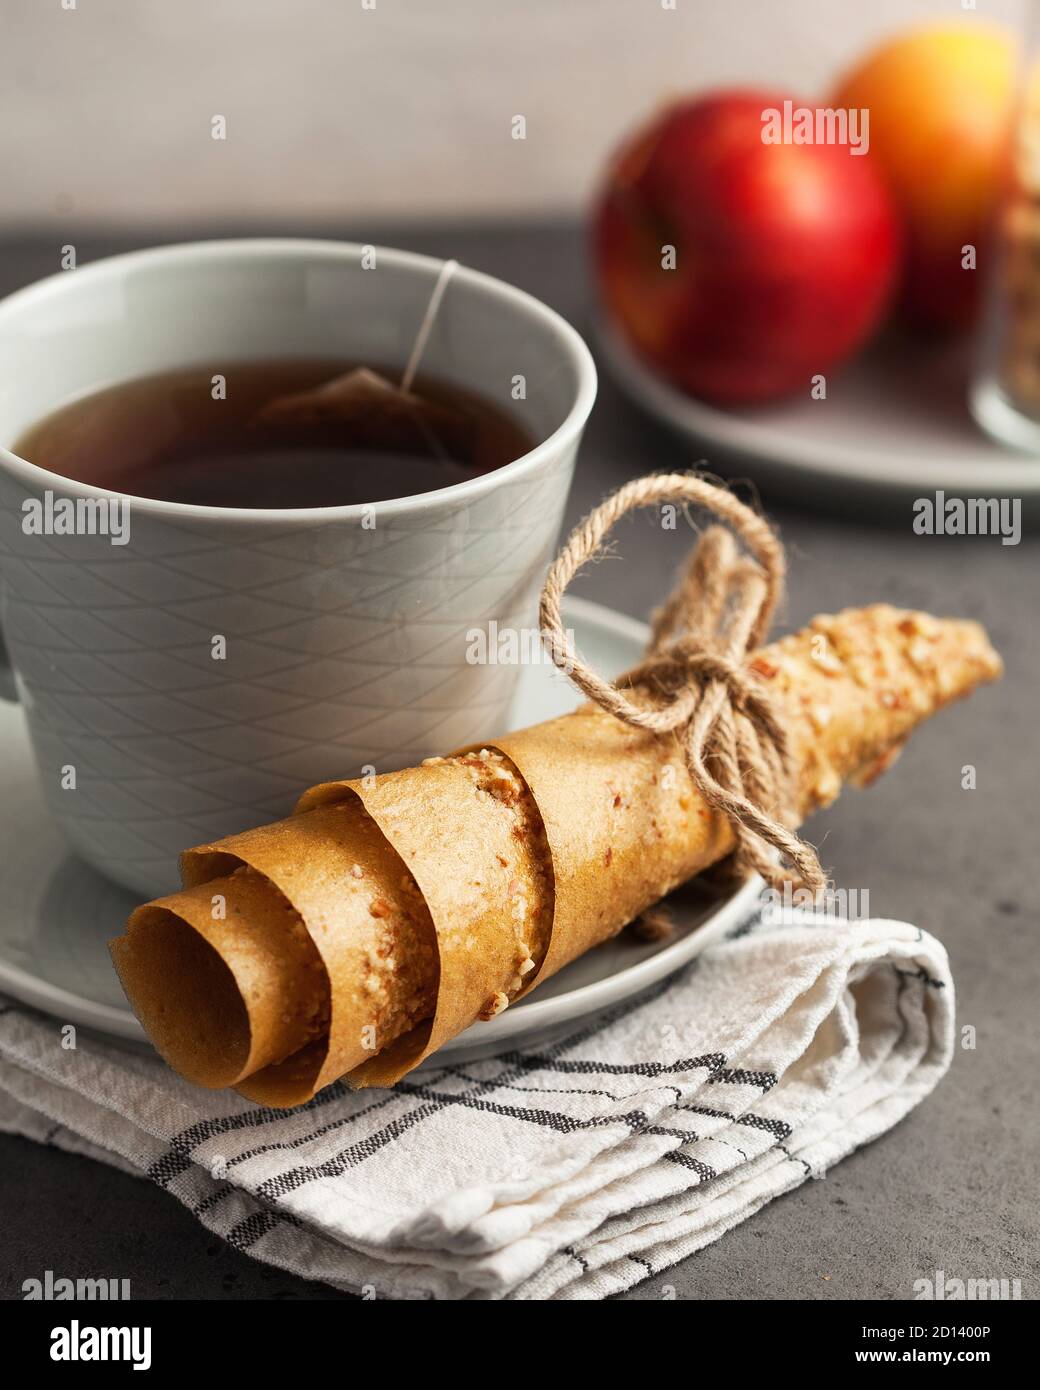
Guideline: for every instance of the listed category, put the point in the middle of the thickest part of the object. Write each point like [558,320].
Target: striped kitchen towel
[572,1170]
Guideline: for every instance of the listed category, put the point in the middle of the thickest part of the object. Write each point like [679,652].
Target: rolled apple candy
[384,916]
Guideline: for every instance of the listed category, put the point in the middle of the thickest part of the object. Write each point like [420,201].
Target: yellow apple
[940,100]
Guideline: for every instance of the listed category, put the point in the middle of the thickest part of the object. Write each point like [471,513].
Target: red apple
[786,255]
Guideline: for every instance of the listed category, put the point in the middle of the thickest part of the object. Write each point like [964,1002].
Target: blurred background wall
[340,111]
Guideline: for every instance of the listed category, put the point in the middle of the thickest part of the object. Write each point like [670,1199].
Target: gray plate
[894,426]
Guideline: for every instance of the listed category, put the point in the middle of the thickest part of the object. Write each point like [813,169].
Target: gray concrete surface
[955,1186]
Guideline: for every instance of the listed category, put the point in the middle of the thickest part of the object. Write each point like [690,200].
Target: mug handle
[8,688]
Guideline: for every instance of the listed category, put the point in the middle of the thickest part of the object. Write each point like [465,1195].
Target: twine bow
[721,609]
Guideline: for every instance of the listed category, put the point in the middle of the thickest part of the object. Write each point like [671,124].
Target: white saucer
[56,914]
[894,426]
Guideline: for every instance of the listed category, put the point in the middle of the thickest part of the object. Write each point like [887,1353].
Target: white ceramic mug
[345,645]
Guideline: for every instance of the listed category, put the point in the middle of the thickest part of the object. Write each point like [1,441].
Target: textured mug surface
[191,681]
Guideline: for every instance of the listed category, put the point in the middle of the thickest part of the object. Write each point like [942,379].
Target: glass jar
[1005,391]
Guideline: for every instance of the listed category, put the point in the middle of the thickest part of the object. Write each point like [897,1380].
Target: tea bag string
[733,744]
[447,270]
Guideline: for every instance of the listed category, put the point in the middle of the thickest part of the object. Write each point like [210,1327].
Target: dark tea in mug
[292,433]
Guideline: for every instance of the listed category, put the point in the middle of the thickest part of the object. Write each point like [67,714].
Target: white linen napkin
[570,1171]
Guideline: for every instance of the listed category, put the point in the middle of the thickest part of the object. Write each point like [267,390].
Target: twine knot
[692,679]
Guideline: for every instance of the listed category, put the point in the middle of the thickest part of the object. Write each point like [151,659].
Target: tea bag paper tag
[378,411]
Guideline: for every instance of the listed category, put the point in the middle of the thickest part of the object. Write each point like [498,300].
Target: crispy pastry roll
[386,915]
